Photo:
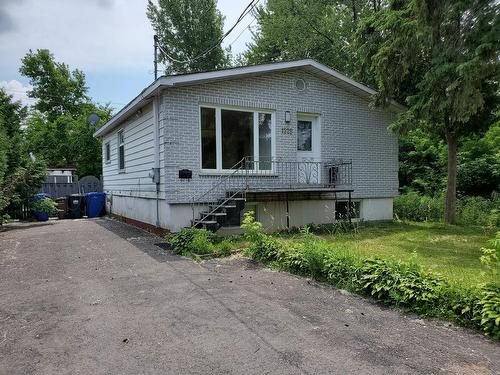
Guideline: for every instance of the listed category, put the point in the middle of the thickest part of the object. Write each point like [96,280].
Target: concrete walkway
[98,297]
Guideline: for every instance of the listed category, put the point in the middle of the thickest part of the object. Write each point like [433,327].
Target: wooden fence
[61,189]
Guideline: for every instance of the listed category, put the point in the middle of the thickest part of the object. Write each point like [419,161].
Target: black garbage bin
[76,206]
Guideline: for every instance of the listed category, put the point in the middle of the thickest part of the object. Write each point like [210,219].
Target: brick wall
[350,129]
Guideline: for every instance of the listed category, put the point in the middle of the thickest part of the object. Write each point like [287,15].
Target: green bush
[416,207]
[470,210]
[343,270]
[488,311]
[263,248]
[192,242]
[399,283]
[46,206]
[479,211]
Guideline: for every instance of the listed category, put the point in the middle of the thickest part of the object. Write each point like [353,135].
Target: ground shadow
[150,244]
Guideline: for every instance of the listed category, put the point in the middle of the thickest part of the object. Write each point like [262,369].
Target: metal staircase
[221,205]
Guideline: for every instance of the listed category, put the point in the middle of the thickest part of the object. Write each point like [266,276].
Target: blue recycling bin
[95,204]
[40,216]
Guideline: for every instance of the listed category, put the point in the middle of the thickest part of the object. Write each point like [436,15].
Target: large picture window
[229,135]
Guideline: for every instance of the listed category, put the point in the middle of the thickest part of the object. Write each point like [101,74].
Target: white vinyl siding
[134,180]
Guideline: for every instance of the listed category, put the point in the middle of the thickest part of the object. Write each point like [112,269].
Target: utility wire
[246,11]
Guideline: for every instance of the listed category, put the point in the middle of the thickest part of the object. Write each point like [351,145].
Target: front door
[308,149]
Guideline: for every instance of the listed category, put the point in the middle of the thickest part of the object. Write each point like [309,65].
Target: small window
[107,152]
[300,84]
[121,151]
[341,210]
[304,135]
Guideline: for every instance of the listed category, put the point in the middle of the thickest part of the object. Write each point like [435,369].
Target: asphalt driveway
[99,297]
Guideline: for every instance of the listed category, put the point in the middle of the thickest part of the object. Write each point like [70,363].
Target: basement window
[341,210]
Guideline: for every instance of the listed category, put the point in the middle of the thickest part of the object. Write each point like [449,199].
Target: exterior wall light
[288,116]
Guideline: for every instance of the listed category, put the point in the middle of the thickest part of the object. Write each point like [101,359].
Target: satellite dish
[93,119]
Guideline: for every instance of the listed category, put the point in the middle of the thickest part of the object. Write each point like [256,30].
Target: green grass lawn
[452,251]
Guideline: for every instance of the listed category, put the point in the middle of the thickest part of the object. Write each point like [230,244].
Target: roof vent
[300,84]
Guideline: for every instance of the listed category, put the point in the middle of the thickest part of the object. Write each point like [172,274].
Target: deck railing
[271,175]
[276,174]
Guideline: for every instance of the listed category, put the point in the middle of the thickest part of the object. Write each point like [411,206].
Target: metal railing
[276,174]
[223,189]
[271,175]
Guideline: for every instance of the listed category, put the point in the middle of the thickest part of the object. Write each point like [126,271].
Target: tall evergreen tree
[186,29]
[440,58]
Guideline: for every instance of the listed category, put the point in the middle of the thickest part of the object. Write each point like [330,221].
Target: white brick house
[291,141]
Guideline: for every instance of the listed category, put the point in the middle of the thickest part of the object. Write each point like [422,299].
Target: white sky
[110,40]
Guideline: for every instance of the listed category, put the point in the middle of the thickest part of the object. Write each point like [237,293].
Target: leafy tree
[57,131]
[441,57]
[20,177]
[11,116]
[187,29]
[478,170]
[58,90]
[422,163]
[323,30]
[68,140]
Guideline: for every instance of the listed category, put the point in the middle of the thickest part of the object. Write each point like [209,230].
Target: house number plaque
[287,131]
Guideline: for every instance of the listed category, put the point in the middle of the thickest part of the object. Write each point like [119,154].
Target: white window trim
[107,155]
[119,144]
[218,137]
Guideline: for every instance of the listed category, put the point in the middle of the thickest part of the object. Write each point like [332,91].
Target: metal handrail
[221,184]
[248,174]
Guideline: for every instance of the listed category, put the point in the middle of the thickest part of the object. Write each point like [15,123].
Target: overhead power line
[243,14]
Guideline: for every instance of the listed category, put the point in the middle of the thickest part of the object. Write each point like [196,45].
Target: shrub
[400,283]
[491,255]
[470,210]
[192,241]
[479,211]
[416,207]
[262,246]
[223,248]
[46,206]
[313,252]
[343,270]
[488,311]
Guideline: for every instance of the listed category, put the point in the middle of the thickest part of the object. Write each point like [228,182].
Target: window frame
[354,202]
[218,136]
[120,143]
[107,152]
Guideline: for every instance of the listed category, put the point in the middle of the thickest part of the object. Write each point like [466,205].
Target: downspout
[156,170]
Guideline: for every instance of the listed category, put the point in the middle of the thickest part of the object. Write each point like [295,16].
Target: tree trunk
[451,188]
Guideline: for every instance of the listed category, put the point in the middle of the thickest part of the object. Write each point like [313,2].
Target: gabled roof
[307,65]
